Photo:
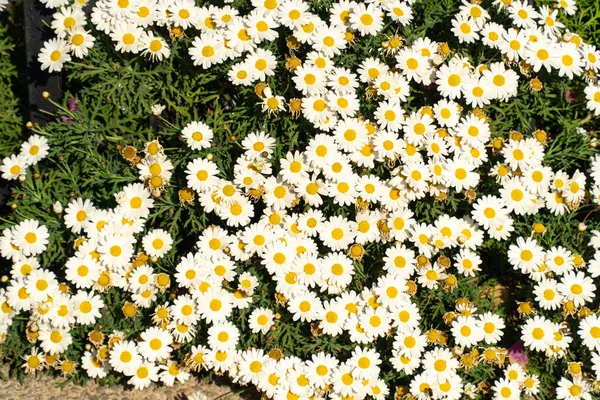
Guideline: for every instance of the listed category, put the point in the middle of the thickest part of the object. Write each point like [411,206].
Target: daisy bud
[295,106]
[449,317]
[569,307]
[129,310]
[175,32]
[574,368]
[186,196]
[541,136]
[525,308]
[45,95]
[535,85]
[578,261]
[538,227]
[96,337]
[57,207]
[450,282]
[441,196]
[443,261]
[22,178]
[349,37]
[233,138]
[292,42]
[209,157]
[357,251]
[516,135]
[444,49]
[163,281]
[4,278]
[411,288]
[467,361]
[36,176]
[581,227]
[14,206]
[422,260]
[584,312]
[88,346]
[292,63]
[29,125]
[128,153]
[280,299]
[498,144]
[157,109]
[276,354]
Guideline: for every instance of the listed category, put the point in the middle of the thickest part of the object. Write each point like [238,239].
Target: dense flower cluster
[270,210]
[535,41]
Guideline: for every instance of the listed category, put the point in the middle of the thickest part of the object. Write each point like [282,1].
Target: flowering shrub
[321,199]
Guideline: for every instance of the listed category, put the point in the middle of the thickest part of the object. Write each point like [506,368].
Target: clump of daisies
[31,152]
[534,40]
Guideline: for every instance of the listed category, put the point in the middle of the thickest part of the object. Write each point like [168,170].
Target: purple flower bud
[65,118]
[516,353]
[569,96]
[73,104]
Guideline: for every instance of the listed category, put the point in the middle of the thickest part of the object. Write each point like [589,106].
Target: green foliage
[11,124]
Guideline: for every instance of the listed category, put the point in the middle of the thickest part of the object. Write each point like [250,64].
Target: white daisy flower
[34,149]
[30,237]
[54,54]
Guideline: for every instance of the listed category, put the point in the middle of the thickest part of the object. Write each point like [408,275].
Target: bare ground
[45,387]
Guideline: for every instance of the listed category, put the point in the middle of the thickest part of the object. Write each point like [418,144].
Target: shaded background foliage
[115,93]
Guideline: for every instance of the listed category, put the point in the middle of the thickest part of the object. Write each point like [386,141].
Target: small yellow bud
[538,227]
[498,143]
